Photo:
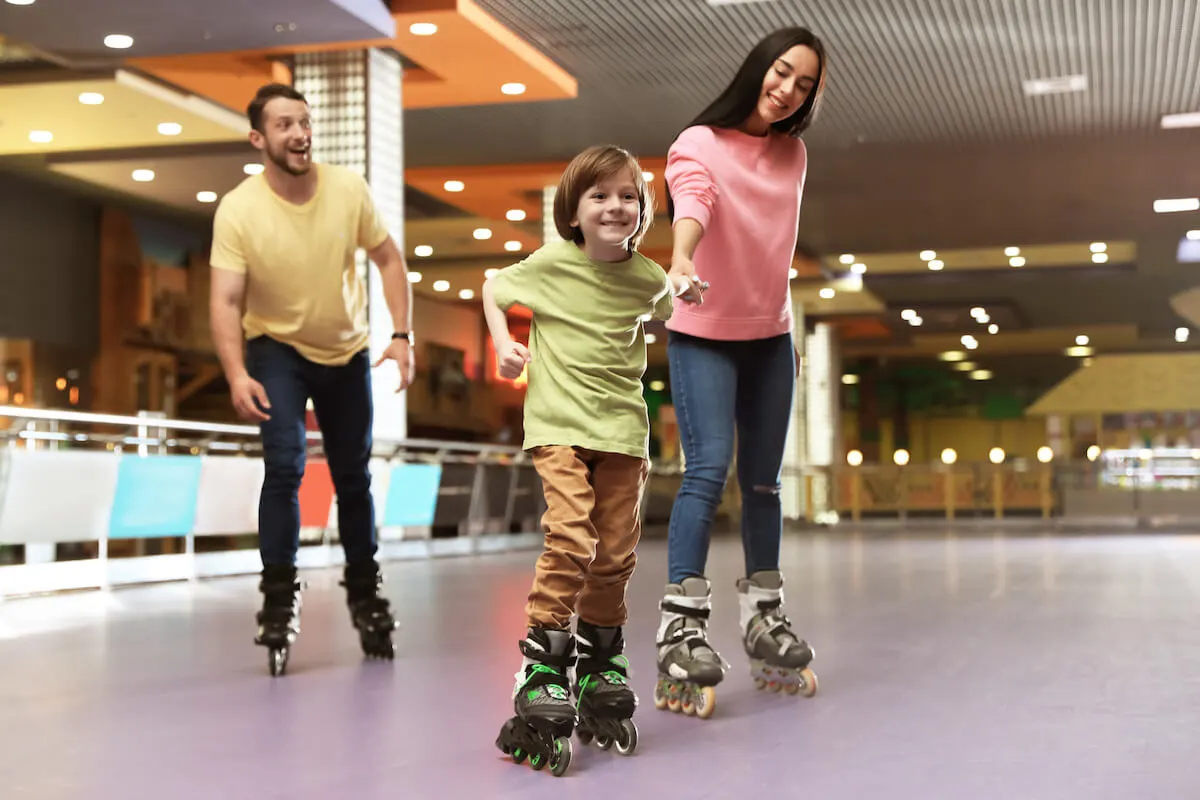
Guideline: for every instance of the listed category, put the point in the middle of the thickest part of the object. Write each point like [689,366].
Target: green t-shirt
[587,347]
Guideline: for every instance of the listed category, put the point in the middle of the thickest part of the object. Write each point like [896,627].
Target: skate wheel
[561,760]
[792,688]
[706,702]
[604,742]
[760,684]
[808,686]
[277,660]
[518,755]
[585,736]
[674,704]
[628,739]
[660,696]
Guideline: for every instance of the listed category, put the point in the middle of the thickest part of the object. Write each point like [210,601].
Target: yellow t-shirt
[302,287]
[587,346]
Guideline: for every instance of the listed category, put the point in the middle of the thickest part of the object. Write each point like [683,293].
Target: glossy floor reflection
[978,666]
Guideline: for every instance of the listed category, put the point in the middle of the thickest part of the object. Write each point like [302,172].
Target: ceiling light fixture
[978,311]
[827,293]
[846,258]
[415,277]
[916,321]
[1081,340]
[466,294]
[1079,351]
[253,169]
[21,2]
[91,98]
[454,186]
[937,265]
[206,197]
[964,366]
[907,313]
[514,215]
[1099,258]
[118,41]
[952,355]
[648,176]
[993,329]
[1060,85]
[928,255]
[1012,251]
[793,273]
[513,88]
[1173,205]
[441,286]
[482,234]
[1188,119]
[423,29]
[143,175]
[170,128]
[1098,247]
[422,251]
[41,137]
[1017,261]
[512,246]
[858,268]
[491,272]
[1181,335]
[981,375]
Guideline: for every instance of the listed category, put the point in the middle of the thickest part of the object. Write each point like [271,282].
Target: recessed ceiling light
[466,294]
[981,375]
[454,186]
[206,197]
[512,246]
[482,234]
[978,311]
[415,277]
[1173,205]
[793,273]
[20,2]
[423,251]
[937,265]
[846,258]
[514,215]
[491,272]
[513,88]
[441,286]
[253,169]
[1099,258]
[993,329]
[1012,251]
[143,175]
[1081,340]
[655,386]
[170,128]
[91,98]
[1060,85]
[41,137]
[1181,335]
[1098,247]
[423,29]
[849,380]
[1017,261]
[118,41]
[952,355]
[907,313]
[647,176]
[983,319]
[858,268]
[827,293]
[1079,351]
[1189,119]
[965,366]
[928,255]
[916,321]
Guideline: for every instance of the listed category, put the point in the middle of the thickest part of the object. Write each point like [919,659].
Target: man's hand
[512,358]
[248,395]
[400,351]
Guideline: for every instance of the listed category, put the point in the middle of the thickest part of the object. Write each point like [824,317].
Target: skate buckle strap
[685,611]
[545,657]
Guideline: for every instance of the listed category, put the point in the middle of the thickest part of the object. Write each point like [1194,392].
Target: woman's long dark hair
[734,105]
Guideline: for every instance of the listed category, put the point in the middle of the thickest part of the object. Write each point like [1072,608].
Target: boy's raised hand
[512,357]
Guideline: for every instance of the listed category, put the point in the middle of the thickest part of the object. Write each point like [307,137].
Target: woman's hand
[684,282]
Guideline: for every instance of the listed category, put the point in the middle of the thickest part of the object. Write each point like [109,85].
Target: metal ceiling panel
[900,71]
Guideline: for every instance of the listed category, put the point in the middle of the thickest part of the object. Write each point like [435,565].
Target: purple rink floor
[972,667]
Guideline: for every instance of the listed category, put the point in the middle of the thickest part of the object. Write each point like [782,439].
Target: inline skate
[369,612]
[604,698]
[279,619]
[778,658]
[545,717]
[688,666]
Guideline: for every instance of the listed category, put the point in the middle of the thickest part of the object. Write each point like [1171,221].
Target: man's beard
[280,158]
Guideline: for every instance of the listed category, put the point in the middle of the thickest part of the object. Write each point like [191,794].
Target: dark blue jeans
[725,392]
[341,399]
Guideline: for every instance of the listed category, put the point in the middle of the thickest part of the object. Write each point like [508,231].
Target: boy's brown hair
[585,171]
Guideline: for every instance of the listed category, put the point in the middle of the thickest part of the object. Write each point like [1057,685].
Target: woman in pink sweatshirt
[735,176]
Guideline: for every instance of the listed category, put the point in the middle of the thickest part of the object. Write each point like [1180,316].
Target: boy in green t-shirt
[587,431]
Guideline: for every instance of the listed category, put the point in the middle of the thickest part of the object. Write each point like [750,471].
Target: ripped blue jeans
[727,391]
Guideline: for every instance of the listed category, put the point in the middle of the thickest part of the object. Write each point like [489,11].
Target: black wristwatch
[405,335]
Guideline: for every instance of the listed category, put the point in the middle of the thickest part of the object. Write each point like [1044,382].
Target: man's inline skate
[545,716]
[605,700]
[688,666]
[279,619]
[369,611]
[778,658]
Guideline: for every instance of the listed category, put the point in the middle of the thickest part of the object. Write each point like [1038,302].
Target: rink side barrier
[179,499]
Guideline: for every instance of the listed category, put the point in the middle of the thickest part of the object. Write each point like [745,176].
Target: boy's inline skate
[778,658]
[688,666]
[605,700]
[545,717]
[279,619]
[369,612]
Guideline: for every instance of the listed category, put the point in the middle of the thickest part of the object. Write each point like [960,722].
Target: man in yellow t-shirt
[285,287]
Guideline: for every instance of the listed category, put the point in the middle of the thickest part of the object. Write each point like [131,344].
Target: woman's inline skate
[370,613]
[688,666]
[778,658]
[604,698]
[545,716]
[279,619]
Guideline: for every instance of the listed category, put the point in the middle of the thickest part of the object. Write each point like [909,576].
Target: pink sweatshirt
[745,190]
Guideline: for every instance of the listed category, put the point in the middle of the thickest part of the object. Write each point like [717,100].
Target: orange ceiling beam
[465,63]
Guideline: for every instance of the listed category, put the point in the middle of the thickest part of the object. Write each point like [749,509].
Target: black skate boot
[369,612]
[605,700]
[279,619]
[779,659]
[545,716]
[689,668]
